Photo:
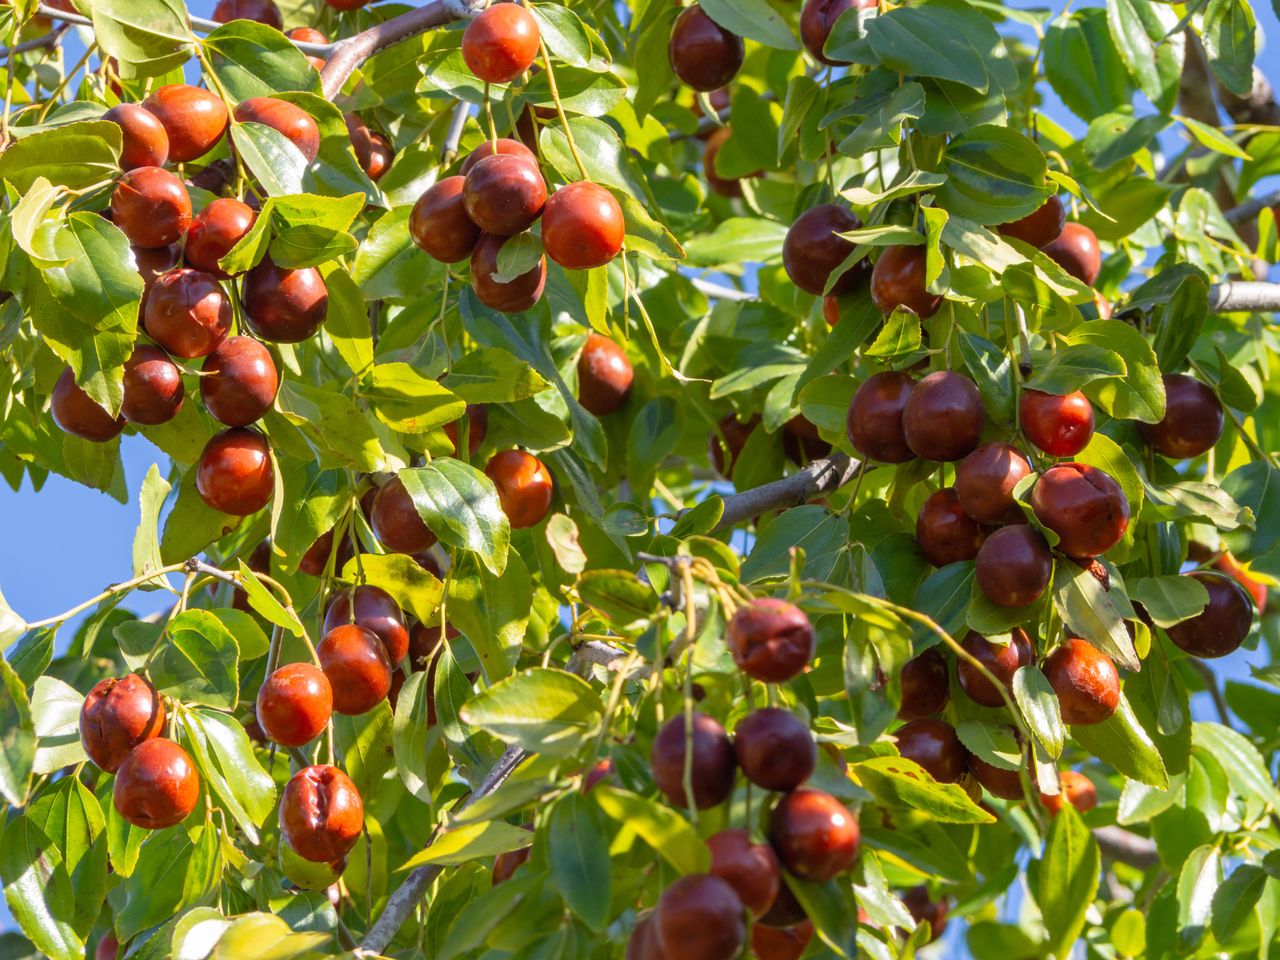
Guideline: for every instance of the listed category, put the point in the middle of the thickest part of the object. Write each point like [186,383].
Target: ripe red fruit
[501,146]
[750,868]
[1002,659]
[156,785]
[501,43]
[943,417]
[946,533]
[1040,227]
[780,943]
[375,610]
[601,771]
[108,947]
[1078,790]
[297,126]
[770,639]
[926,686]
[801,441]
[898,280]
[153,264]
[814,834]
[582,226]
[515,296]
[524,486]
[321,814]
[703,54]
[396,521]
[215,230]
[153,389]
[924,909]
[263,11]
[774,749]
[240,381]
[604,374]
[504,195]
[373,150]
[294,704]
[643,943]
[309,35]
[1084,506]
[144,141]
[1061,426]
[76,413]
[933,745]
[151,206]
[725,186]
[1222,625]
[1232,567]
[282,305]
[999,782]
[439,223]
[699,917]
[235,474]
[506,864]
[785,912]
[874,424]
[1085,680]
[1192,423]
[358,668]
[188,313]
[118,714]
[816,20]
[477,417]
[1013,566]
[713,764]
[812,251]
[985,480]
[1076,251]
[735,433]
[194,118]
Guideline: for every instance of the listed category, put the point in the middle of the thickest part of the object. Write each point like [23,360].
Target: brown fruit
[813,250]
[194,118]
[898,280]
[946,533]
[321,814]
[502,145]
[1192,423]
[926,686]
[780,943]
[1076,788]
[770,639]
[108,947]
[1040,227]
[294,704]
[1084,506]
[1013,566]
[874,424]
[1085,680]
[396,521]
[814,834]
[750,868]
[524,486]
[215,230]
[604,375]
[725,186]
[76,413]
[924,909]
[774,749]
[235,474]
[477,417]
[358,668]
[999,782]
[714,767]
[1076,250]
[1222,625]
[724,452]
[375,610]
[145,143]
[240,381]
[152,265]
[1002,659]
[582,226]
[310,35]
[1061,426]
[933,745]
[295,124]
[501,43]
[439,223]
[157,785]
[703,54]
[801,441]
[153,389]
[152,207]
[944,416]
[263,11]
[188,313]
[816,20]
[985,480]
[516,296]
[504,195]
[282,305]
[699,917]
[373,150]
[506,864]
[118,714]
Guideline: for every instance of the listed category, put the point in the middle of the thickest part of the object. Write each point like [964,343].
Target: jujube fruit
[240,381]
[814,834]
[726,444]
[321,814]
[78,414]
[294,704]
[926,686]
[151,206]
[215,230]
[1084,506]
[813,250]
[1192,423]
[503,145]
[985,480]
[703,54]
[514,296]
[1061,426]
[725,186]
[524,486]
[750,868]
[477,417]
[604,375]
[153,389]
[1222,625]
[283,305]
[780,943]
[504,195]
[358,668]
[295,124]
[1040,227]
[188,313]
[643,943]
[713,764]
[439,223]
[262,11]
[118,714]
[943,417]
[152,264]
[946,533]
[1076,250]
[817,17]
[373,151]
[699,917]
[933,745]
[1085,680]
[157,785]
[144,141]
[785,912]
[501,43]
[1013,566]
[770,639]
[1002,660]
[235,474]
[924,909]
[375,610]
[309,35]
[1077,789]
[775,749]
[1232,567]
[898,280]
[582,226]
[194,118]
[506,864]
[396,521]
[874,424]
[108,948]
[802,442]
[347,4]
[999,782]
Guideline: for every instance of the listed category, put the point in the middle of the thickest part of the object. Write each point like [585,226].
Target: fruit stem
[564,120]
[111,591]
[66,78]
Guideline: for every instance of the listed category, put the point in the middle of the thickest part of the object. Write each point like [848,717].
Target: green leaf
[899,337]
[618,596]
[75,155]
[737,240]
[992,372]
[407,401]
[1067,879]
[902,782]
[669,834]
[580,868]
[271,157]
[414,588]
[934,39]
[55,718]
[151,36]
[230,766]
[1235,899]
[1197,883]
[38,890]
[1255,485]
[146,540]
[460,505]
[475,841]
[364,744]
[1150,48]
[12,626]
[994,174]
[17,737]
[1120,741]
[264,603]
[1039,706]
[198,661]
[565,35]
[70,816]
[822,535]
[253,643]
[754,19]
[1228,31]
[1243,765]
[157,885]
[1170,599]
[492,611]
[410,734]
[1212,138]
[253,60]
[494,375]
[1072,367]
[1139,393]
[1083,65]
[542,710]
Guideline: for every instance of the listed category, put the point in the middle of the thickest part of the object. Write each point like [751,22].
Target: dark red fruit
[1085,680]
[924,909]
[813,250]
[295,124]
[1222,625]
[1076,788]
[145,143]
[725,186]
[1061,426]
[156,785]
[735,433]
[1040,227]
[703,54]
[582,226]
[439,223]
[215,230]
[713,765]
[501,43]
[926,686]
[373,151]
[282,305]
[235,474]
[321,814]
[504,195]
[316,559]
[188,313]
[477,417]
[152,265]
[943,417]
[898,280]
[153,389]
[814,834]
[604,374]
[263,11]
[946,533]
[1192,423]
[194,118]
[1076,251]
[933,745]
[375,610]
[358,668]
[1013,566]
[151,206]
[505,865]
[780,943]
[774,749]
[240,381]
[601,771]
[770,639]
[801,441]
[490,148]
[108,948]
[643,944]
[985,480]
[396,521]
[294,704]
[76,413]
[785,912]
[750,868]
[699,917]
[118,714]
[516,296]
[999,782]
[874,424]
[1084,506]
[1001,659]
[524,486]
[816,20]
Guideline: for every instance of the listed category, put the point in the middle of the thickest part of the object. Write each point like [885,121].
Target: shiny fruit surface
[375,610]
[985,481]
[524,486]
[235,474]
[714,765]
[194,118]
[813,250]
[817,17]
[215,230]
[944,416]
[874,424]
[156,785]
[295,124]
[1076,250]
[501,43]
[283,305]
[1075,789]
[1040,227]
[321,814]
[582,226]
[933,745]
[152,207]
[770,639]
[1222,625]
[1002,661]
[439,223]
[262,11]
[703,54]
[504,194]
[605,375]
[294,704]
[814,834]
[1085,680]
[926,686]
[153,388]
[946,533]
[775,749]
[118,714]
[1084,506]
[358,668]
[145,142]
[188,313]
[700,917]
[750,868]
[489,148]
[1061,426]
[514,296]
[1192,423]
[898,280]
[396,522]
[78,414]
[240,381]
[1013,566]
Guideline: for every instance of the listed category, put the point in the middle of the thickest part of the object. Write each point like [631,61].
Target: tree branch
[50,39]
[1119,844]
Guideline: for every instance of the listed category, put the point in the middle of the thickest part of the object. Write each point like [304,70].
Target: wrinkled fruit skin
[294,704]
[898,280]
[934,745]
[812,250]
[145,143]
[771,640]
[816,20]
[703,54]
[396,522]
[944,416]
[501,43]
[582,226]
[504,195]
[153,389]
[235,474]
[321,814]
[76,413]
[524,487]
[874,424]
[1085,680]
[699,917]
[1076,250]
[188,313]
[156,785]
[375,610]
[1013,566]
[1061,426]
[295,124]
[152,207]
[116,716]
[1084,506]
[519,294]
[714,764]
[926,686]
[924,909]
[814,834]
[240,381]
[750,868]
[1041,227]
[215,230]
[985,480]
[999,782]
[605,374]
[1002,660]
[194,118]
[1222,625]
[439,223]
[724,452]
[780,943]
[946,533]
[775,749]
[358,668]
[1192,423]
[285,306]
[1077,789]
